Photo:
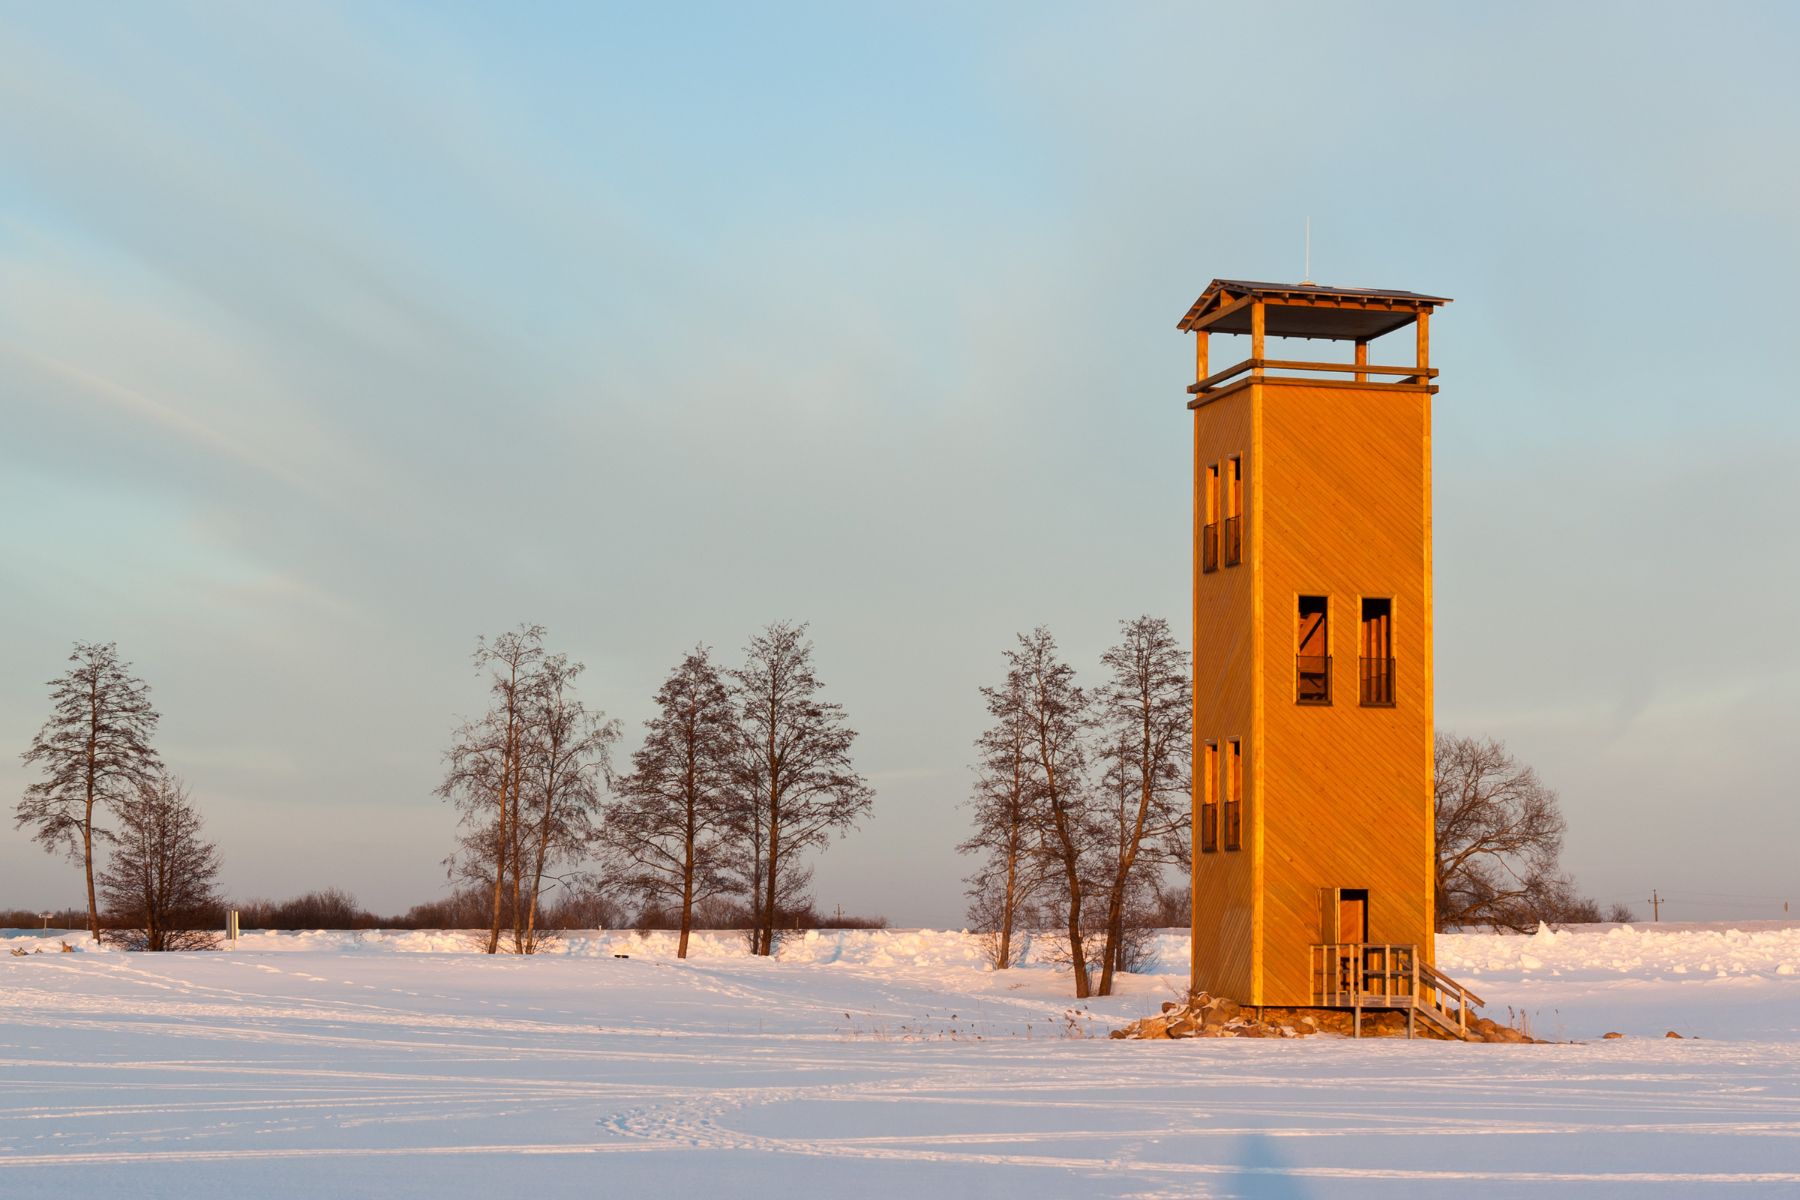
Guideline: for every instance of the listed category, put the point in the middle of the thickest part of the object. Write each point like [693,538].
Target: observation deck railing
[1259,368]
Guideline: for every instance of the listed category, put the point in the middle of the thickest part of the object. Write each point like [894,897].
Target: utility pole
[1655,905]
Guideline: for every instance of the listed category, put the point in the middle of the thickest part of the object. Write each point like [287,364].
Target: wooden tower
[1313,830]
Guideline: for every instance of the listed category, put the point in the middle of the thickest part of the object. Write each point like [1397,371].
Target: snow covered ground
[873,1064]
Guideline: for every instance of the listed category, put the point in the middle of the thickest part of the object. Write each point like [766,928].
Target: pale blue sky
[333,337]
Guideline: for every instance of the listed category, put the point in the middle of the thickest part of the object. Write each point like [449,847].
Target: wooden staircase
[1380,975]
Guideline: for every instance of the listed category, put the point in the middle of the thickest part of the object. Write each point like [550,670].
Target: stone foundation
[1215,1016]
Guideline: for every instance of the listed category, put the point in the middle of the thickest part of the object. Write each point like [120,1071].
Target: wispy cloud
[150,411]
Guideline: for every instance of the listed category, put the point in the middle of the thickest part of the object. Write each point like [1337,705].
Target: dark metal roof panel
[1393,309]
[1315,289]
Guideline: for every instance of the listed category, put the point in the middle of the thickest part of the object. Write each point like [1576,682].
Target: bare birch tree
[1008,875]
[160,882]
[795,784]
[1144,711]
[94,751]
[1055,712]
[1499,835]
[669,823]
[566,758]
[486,770]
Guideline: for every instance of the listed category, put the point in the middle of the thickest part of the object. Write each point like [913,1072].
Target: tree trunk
[1072,874]
[1114,953]
[537,880]
[1006,909]
[766,936]
[153,933]
[516,852]
[687,896]
[1077,954]
[767,946]
[87,825]
[543,848]
[87,861]
[1115,933]
[1115,910]
[493,946]
[690,838]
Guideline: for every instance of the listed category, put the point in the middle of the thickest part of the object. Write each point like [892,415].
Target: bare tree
[669,822]
[1055,713]
[94,750]
[1499,833]
[485,776]
[159,884]
[475,782]
[566,758]
[1145,714]
[1008,875]
[795,785]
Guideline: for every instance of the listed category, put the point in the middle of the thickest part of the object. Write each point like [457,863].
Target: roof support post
[1200,355]
[1424,324]
[1257,325]
[1362,359]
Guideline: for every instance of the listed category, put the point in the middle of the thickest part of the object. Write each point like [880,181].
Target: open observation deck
[1307,310]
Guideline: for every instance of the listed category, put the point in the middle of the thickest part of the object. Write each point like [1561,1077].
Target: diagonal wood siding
[1224,704]
[1346,789]
[1338,503]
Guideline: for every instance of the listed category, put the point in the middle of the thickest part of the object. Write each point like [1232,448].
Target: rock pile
[1492,1031]
[1215,1016]
[1210,1016]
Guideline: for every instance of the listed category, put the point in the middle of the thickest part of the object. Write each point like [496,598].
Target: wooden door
[1353,915]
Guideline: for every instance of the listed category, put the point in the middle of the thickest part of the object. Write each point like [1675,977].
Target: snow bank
[897,948]
[1645,952]
[1761,949]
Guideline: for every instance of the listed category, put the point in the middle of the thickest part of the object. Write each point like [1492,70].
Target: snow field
[870,1063]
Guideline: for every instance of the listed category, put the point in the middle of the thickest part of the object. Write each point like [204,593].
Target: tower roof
[1306,310]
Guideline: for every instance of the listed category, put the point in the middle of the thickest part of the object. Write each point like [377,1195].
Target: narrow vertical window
[1209,798]
[1209,532]
[1234,511]
[1376,652]
[1234,795]
[1312,652]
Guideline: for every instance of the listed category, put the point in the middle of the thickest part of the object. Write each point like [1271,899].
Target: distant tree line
[469,908]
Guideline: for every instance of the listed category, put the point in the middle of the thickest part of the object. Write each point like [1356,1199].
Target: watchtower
[1313,828]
